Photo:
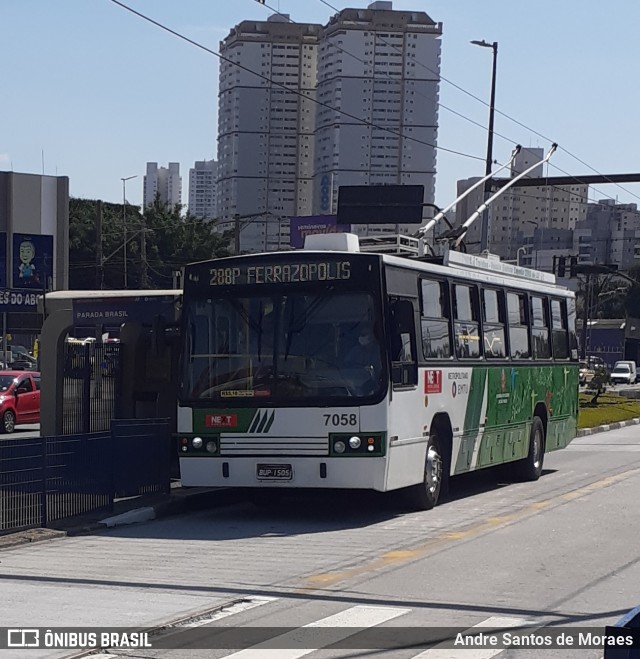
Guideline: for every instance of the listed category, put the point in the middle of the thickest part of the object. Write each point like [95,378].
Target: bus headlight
[354,442]
[339,447]
[196,442]
[211,447]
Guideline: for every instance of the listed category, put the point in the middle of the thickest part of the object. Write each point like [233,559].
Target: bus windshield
[303,347]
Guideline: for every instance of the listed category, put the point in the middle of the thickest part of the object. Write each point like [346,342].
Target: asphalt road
[517,556]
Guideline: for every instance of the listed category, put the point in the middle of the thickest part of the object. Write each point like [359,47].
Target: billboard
[312,224]
[380,204]
[32,261]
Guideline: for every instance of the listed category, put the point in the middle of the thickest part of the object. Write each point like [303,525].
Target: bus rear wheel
[530,468]
[425,495]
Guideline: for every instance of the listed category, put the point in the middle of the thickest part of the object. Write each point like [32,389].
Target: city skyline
[62,125]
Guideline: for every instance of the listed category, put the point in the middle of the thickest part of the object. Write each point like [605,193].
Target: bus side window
[559,334]
[518,326]
[436,340]
[540,328]
[466,327]
[493,324]
[404,367]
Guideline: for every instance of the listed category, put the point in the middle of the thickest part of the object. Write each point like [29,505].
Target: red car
[19,399]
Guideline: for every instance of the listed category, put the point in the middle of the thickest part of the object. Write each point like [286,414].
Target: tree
[172,241]
[83,268]
[632,301]
[607,298]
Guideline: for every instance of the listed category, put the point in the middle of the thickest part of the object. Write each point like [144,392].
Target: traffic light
[573,267]
[562,267]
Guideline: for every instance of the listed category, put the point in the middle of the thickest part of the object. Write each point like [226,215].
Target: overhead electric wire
[359,119]
[503,114]
[289,89]
[389,76]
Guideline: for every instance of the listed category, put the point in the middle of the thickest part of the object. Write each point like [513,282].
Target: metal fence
[141,454]
[91,386]
[78,475]
[22,504]
[45,479]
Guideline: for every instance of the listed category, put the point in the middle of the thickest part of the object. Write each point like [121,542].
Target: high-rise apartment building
[375,72]
[380,69]
[203,183]
[266,133]
[610,234]
[163,181]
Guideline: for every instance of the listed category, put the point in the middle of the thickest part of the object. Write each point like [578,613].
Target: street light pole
[484,237]
[533,244]
[124,221]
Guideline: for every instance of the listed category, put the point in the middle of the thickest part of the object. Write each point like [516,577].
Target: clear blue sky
[95,92]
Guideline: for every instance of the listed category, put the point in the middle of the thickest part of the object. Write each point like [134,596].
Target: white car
[623,373]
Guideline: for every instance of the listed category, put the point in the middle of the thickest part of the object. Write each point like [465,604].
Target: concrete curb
[180,501]
[583,432]
[29,536]
[130,517]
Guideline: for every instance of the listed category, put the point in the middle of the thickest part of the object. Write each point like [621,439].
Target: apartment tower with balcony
[266,128]
[203,184]
[163,181]
[378,74]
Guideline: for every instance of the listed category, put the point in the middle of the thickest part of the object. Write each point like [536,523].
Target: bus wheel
[530,468]
[425,495]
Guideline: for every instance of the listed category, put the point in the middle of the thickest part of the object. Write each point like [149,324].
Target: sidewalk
[127,511]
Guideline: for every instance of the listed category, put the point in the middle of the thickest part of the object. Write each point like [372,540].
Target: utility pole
[485,233]
[124,223]
[99,252]
[236,234]
[585,319]
[238,225]
[144,278]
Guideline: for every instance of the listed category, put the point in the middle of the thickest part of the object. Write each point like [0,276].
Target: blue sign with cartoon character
[32,261]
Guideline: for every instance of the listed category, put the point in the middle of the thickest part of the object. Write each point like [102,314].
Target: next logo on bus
[221,420]
[433,382]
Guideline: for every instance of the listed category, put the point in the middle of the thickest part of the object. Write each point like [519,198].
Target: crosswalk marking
[232,610]
[344,624]
[495,622]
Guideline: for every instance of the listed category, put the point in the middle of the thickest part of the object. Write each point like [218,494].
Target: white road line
[343,624]
[469,652]
[232,610]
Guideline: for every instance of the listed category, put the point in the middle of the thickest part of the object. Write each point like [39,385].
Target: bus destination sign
[280,273]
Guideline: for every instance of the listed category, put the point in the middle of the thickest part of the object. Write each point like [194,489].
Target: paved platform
[126,511]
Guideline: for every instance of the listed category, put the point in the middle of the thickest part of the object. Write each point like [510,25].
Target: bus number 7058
[340,419]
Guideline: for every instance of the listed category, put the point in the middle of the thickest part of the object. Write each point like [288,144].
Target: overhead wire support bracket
[462,230]
[442,213]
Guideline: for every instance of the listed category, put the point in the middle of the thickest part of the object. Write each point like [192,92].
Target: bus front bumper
[284,472]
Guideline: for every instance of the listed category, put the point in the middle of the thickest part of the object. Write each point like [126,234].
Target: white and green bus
[336,368]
